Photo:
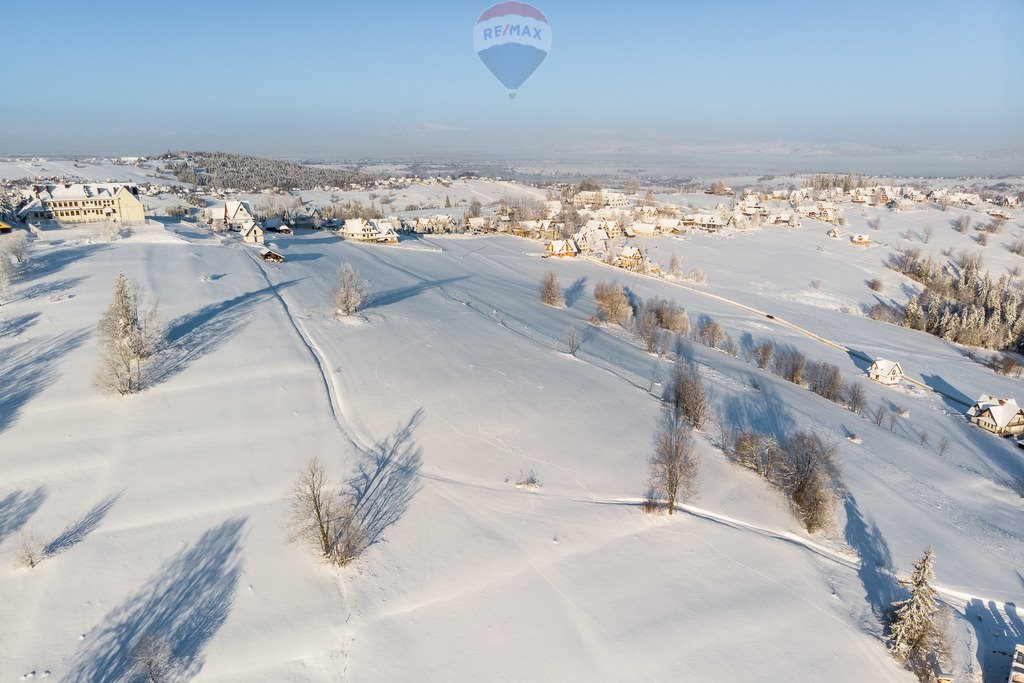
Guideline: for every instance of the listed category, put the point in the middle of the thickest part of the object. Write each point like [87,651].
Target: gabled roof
[232,207]
[1002,410]
[885,367]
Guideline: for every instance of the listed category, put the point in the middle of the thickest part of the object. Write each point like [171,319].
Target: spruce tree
[916,635]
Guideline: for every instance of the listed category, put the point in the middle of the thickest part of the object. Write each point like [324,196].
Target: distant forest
[238,171]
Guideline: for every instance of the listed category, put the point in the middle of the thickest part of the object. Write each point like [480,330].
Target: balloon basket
[511,95]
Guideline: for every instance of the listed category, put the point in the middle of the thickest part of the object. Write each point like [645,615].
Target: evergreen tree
[916,635]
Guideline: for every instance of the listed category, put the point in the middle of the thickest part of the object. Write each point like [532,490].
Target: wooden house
[253,233]
[271,255]
[561,248]
[1001,416]
[631,258]
[886,372]
[861,239]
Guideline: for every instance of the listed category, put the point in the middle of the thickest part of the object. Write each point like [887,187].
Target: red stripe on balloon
[518,8]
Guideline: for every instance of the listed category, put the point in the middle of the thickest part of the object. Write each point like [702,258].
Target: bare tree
[760,453]
[612,303]
[675,266]
[645,325]
[129,335]
[6,274]
[926,234]
[763,354]
[674,464]
[550,292]
[687,395]
[813,474]
[943,444]
[31,549]
[856,398]
[923,437]
[573,340]
[790,364]
[878,416]
[153,658]
[314,510]
[17,247]
[825,379]
[350,290]
[710,333]
[962,223]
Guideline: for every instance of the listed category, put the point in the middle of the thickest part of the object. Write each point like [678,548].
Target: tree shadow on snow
[51,288]
[52,261]
[574,291]
[76,532]
[999,628]
[762,411]
[28,368]
[393,296]
[183,606]
[202,332]
[953,397]
[17,507]
[12,327]
[385,482]
[876,572]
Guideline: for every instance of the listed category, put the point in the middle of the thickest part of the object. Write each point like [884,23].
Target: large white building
[84,203]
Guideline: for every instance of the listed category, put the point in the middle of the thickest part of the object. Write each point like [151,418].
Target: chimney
[1002,401]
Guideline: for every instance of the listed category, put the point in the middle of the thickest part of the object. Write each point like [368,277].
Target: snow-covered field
[165,511]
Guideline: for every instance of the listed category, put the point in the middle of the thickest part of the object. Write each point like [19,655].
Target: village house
[85,203]
[1001,416]
[644,229]
[591,239]
[362,230]
[235,214]
[5,228]
[631,258]
[833,233]
[277,225]
[861,240]
[561,248]
[252,233]
[1011,202]
[886,372]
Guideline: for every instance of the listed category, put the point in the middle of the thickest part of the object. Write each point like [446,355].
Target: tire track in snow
[326,376]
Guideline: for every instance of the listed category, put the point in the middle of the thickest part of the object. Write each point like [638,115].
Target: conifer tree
[917,635]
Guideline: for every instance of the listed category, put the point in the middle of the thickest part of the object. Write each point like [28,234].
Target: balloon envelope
[512,39]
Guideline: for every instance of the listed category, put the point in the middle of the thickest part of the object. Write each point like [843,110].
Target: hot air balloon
[512,39]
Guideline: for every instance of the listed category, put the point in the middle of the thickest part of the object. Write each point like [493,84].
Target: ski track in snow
[954,596]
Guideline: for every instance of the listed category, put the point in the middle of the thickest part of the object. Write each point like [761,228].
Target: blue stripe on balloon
[512,63]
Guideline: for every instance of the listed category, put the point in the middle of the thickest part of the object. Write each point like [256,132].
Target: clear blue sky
[340,78]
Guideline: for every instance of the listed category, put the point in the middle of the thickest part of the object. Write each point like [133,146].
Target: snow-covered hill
[165,511]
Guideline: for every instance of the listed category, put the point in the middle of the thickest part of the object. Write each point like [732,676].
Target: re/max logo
[512,30]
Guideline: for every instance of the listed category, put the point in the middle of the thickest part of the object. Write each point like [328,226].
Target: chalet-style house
[252,233]
[561,248]
[886,372]
[85,203]
[361,230]
[1011,202]
[234,214]
[271,255]
[1001,416]
[861,239]
[631,258]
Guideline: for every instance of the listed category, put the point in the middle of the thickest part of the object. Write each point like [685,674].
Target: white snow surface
[164,511]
